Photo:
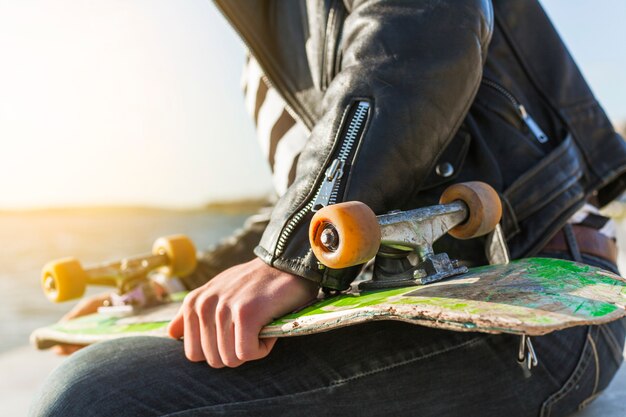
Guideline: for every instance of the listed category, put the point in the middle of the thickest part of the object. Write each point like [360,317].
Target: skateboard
[140,295]
[407,280]
[531,296]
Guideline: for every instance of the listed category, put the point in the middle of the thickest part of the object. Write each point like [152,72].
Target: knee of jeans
[67,386]
[77,386]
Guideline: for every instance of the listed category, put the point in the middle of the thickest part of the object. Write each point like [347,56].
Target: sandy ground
[23,370]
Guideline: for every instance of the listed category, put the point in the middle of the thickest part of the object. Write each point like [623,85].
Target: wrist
[308,287]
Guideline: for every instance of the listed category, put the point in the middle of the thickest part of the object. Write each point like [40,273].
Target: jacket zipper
[329,50]
[534,128]
[328,191]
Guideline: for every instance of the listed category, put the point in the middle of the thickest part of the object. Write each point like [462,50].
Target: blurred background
[123,120]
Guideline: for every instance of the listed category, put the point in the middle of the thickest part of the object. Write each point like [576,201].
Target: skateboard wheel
[63,280]
[344,234]
[483,202]
[180,252]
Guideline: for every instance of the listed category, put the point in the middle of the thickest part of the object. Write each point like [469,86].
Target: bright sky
[138,101]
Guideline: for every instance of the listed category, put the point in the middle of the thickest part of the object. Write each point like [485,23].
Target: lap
[381,368]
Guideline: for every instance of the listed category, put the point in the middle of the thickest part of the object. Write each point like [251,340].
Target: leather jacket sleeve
[416,64]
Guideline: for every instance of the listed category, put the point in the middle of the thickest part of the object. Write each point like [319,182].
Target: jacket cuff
[307,267]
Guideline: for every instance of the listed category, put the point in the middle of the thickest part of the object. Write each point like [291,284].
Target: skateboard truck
[348,234]
[411,234]
[66,279]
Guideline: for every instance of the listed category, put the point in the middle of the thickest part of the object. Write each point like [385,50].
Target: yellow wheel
[180,251]
[63,280]
[483,202]
[344,234]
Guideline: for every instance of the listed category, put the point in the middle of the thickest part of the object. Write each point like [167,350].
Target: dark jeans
[379,368]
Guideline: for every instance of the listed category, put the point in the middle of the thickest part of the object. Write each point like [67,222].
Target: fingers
[64,350]
[175,329]
[86,306]
[193,345]
[211,334]
[208,338]
[248,345]
[220,322]
[225,333]
[267,344]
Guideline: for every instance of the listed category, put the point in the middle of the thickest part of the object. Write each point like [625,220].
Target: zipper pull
[331,179]
[532,125]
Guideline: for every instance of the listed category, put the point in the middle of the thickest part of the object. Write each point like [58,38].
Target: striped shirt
[280,136]
[590,216]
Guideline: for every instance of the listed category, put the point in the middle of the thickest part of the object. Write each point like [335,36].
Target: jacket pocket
[538,186]
[593,373]
[329,50]
[579,386]
[509,131]
[541,200]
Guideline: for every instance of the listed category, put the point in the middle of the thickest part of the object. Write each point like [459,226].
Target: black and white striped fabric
[590,216]
[281,137]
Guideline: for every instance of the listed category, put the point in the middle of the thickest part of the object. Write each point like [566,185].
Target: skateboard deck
[531,296]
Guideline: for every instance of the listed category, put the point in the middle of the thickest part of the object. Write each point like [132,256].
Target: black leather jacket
[411,95]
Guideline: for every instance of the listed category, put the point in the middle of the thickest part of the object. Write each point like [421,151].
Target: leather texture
[422,65]
[589,240]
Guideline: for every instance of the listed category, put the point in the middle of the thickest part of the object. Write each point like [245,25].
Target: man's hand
[221,320]
[86,306]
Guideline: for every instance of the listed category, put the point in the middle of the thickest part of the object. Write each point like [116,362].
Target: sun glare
[122,103]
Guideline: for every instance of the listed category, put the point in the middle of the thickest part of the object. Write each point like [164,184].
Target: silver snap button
[444,169]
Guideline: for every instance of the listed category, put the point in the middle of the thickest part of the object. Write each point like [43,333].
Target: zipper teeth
[351,135]
[502,90]
[282,240]
[356,122]
[353,130]
[333,195]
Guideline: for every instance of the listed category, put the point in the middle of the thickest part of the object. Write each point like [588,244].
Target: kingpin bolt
[49,284]
[419,273]
[329,238]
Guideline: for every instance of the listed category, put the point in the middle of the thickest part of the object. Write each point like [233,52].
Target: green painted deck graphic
[99,327]
[532,296]
[93,324]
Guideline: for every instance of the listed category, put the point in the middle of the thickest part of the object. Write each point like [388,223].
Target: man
[407,96]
